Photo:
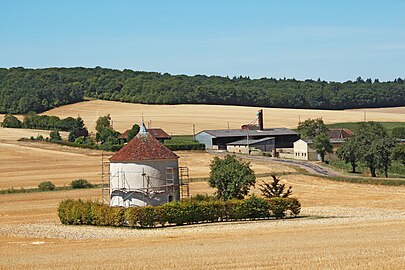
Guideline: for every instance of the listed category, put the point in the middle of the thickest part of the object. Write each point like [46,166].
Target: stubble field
[179,119]
[343,225]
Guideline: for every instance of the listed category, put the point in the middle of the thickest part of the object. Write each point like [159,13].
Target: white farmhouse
[144,172]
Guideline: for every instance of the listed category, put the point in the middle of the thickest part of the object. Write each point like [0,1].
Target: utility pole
[228,125]
[247,140]
[193,132]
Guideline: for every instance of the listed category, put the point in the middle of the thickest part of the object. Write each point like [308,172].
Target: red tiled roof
[340,133]
[158,133]
[143,147]
[124,135]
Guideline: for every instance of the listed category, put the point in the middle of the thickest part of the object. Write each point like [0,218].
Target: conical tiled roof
[143,147]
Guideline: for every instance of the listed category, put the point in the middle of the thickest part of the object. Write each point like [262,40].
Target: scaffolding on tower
[105,179]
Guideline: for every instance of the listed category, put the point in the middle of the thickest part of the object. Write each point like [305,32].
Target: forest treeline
[36,90]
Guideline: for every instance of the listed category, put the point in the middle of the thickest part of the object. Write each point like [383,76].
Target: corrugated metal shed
[251,142]
[240,132]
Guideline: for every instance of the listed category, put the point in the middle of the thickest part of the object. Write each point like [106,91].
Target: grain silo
[145,172]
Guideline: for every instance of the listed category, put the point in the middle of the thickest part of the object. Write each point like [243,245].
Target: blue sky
[333,40]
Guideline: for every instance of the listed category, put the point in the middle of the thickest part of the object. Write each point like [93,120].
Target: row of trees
[35,121]
[23,90]
[75,127]
[372,146]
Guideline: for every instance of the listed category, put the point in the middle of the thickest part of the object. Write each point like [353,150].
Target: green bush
[80,212]
[10,121]
[131,216]
[294,206]
[203,198]
[54,136]
[46,185]
[255,207]
[148,216]
[80,183]
[278,206]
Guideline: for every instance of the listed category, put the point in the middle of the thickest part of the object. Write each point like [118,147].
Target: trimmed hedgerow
[80,212]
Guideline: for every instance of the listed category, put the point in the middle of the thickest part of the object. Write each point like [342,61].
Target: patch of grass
[185,142]
[181,139]
[353,125]
[396,170]
[360,180]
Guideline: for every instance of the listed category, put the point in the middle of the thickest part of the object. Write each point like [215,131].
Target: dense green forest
[24,90]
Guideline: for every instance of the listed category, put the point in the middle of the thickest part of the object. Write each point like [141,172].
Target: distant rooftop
[339,133]
[243,133]
[158,133]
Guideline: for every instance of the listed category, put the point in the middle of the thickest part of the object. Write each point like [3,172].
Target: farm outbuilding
[144,172]
[246,146]
[219,139]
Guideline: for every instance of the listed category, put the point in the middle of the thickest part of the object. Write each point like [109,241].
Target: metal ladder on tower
[105,180]
[184,182]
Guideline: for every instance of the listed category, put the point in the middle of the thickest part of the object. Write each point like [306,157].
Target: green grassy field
[397,170]
[352,125]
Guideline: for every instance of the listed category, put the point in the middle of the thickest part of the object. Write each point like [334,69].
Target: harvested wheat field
[343,225]
[179,119]
[361,227]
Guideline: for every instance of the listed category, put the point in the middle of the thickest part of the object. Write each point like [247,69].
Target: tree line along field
[179,119]
[24,90]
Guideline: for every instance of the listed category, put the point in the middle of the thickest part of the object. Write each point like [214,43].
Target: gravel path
[311,216]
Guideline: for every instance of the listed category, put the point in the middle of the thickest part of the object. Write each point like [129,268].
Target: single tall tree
[310,128]
[374,146]
[322,145]
[275,189]
[103,122]
[232,178]
[348,152]
[132,132]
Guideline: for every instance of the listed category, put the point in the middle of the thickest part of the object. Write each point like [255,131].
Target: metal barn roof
[240,132]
